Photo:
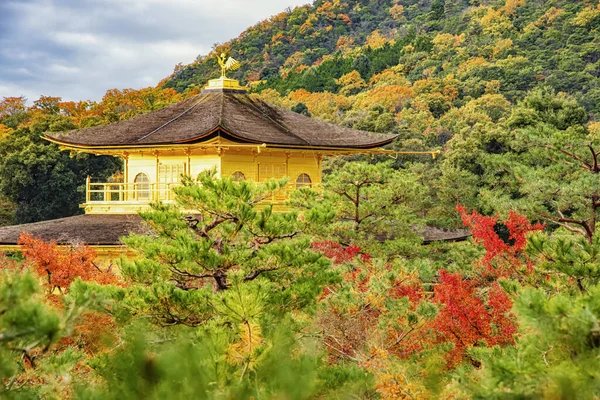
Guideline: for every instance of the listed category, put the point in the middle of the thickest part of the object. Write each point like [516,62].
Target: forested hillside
[460,45]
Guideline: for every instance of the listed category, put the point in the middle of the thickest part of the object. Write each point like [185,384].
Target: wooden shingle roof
[91,229]
[106,230]
[238,116]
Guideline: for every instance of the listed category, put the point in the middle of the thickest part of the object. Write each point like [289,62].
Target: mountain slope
[521,44]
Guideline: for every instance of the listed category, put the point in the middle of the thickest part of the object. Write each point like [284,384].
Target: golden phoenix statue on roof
[227,65]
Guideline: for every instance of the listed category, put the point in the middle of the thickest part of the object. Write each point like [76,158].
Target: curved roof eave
[194,140]
[238,116]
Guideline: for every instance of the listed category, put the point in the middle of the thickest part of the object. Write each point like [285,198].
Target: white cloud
[77,49]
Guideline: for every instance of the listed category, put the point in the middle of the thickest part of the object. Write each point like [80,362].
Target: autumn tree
[351,83]
[60,266]
[33,360]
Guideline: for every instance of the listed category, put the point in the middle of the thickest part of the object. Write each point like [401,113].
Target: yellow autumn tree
[397,12]
[501,46]
[391,76]
[594,128]
[586,16]
[323,105]
[495,23]
[12,105]
[4,131]
[344,43]
[351,83]
[272,96]
[510,7]
[472,64]
[392,98]
[443,42]
[376,40]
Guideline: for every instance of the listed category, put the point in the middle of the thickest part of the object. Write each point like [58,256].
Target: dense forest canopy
[463,45]
[237,301]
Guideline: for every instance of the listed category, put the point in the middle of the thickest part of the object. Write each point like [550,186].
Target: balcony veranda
[130,198]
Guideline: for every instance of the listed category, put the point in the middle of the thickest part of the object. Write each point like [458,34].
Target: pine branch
[572,155]
[255,274]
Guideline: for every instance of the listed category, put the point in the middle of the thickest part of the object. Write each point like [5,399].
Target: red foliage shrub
[502,259]
[413,291]
[468,317]
[61,266]
[93,333]
[336,252]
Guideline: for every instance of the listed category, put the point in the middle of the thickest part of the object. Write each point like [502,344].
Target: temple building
[222,128]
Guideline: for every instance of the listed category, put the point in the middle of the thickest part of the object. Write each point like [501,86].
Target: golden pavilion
[222,128]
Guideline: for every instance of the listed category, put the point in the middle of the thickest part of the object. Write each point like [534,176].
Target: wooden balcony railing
[128,192]
[147,192]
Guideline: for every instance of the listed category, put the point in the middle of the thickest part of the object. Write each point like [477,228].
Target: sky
[78,49]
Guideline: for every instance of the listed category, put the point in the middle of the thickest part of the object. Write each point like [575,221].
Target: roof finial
[224,83]
[227,65]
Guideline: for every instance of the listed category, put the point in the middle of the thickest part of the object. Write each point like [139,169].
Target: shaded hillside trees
[41,180]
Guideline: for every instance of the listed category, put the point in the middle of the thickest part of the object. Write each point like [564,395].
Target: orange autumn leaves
[115,105]
[59,267]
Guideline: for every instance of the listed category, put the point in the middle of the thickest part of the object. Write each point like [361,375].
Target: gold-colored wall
[255,166]
[255,162]
[266,165]
[148,163]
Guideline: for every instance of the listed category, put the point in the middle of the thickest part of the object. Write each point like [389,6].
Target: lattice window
[238,176]
[142,186]
[270,171]
[169,173]
[303,180]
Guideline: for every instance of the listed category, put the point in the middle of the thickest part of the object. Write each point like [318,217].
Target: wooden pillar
[220,165]
[155,187]
[88,182]
[319,166]
[124,195]
[188,153]
[287,163]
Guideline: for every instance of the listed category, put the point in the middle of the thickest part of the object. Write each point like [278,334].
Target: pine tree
[223,236]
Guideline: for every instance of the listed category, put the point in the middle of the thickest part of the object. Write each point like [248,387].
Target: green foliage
[557,355]
[220,250]
[29,330]
[41,180]
[371,202]
[196,366]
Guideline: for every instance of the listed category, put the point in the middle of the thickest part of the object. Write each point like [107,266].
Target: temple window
[238,176]
[169,175]
[271,171]
[142,186]
[303,180]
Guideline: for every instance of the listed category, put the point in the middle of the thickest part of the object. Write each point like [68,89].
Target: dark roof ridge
[221,110]
[171,120]
[277,123]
